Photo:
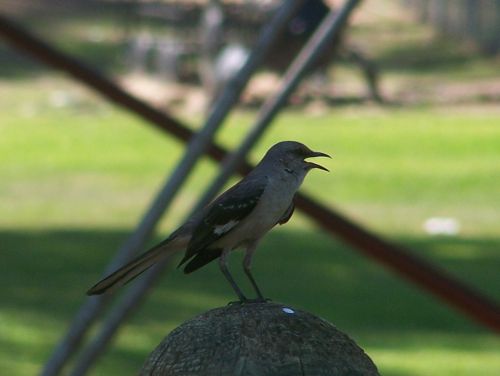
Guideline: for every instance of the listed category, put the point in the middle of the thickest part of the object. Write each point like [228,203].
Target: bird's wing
[224,214]
[287,215]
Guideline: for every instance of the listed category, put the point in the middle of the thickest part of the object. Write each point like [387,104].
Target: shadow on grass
[44,276]
[49,272]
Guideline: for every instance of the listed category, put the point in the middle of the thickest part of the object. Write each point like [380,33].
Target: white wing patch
[222,229]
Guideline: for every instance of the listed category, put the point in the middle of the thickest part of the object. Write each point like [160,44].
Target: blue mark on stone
[288,310]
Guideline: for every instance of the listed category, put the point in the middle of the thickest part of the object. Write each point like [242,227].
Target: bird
[237,218]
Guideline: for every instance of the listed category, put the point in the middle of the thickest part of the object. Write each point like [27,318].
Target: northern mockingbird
[239,217]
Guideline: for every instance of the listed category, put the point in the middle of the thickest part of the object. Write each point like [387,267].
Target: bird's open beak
[315,165]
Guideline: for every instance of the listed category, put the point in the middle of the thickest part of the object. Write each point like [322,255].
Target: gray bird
[239,217]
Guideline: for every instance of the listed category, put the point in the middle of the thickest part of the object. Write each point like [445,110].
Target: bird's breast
[272,205]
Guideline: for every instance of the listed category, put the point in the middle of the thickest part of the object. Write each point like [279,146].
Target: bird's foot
[250,301]
[257,300]
[265,300]
[236,302]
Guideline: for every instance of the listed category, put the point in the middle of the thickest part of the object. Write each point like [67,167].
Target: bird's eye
[288,170]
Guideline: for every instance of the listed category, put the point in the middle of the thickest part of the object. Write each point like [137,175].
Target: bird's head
[291,157]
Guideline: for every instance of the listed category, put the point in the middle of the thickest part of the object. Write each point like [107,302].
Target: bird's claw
[259,300]
[250,301]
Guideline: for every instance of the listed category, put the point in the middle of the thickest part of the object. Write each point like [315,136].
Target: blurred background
[407,100]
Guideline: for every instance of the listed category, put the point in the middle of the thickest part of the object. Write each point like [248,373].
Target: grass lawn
[75,180]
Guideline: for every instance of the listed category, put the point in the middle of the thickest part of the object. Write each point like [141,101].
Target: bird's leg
[229,277]
[247,263]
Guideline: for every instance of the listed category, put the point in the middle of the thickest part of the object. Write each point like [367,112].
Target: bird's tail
[138,265]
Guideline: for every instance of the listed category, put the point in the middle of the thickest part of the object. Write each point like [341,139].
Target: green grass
[75,180]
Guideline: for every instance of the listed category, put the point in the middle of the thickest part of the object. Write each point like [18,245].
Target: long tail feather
[137,266]
[201,259]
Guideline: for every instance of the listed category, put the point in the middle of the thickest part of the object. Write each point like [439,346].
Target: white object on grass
[442,226]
